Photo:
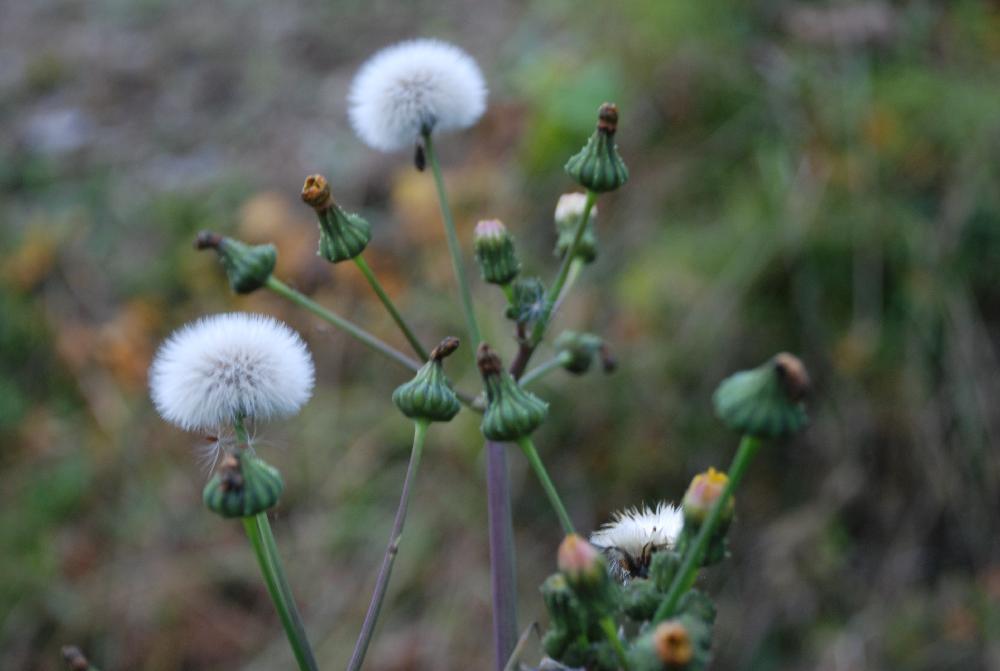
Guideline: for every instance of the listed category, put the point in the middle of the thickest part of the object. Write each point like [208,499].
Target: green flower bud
[511,412]
[494,247]
[579,350]
[566,614]
[569,210]
[244,486]
[529,300]
[767,401]
[342,235]
[248,267]
[705,489]
[641,599]
[429,396]
[598,166]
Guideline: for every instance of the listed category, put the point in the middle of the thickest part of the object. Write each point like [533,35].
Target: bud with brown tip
[598,166]
[343,235]
[767,401]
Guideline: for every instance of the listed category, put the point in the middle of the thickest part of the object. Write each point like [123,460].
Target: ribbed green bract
[498,262]
[247,266]
[598,166]
[428,395]
[342,235]
[512,412]
[245,489]
[567,618]
[755,402]
[528,301]
[696,616]
[586,250]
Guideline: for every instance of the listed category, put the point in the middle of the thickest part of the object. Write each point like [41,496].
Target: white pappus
[634,534]
[411,87]
[225,366]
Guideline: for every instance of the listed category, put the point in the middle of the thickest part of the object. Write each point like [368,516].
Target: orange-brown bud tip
[445,348]
[793,375]
[673,644]
[316,192]
[488,361]
[607,118]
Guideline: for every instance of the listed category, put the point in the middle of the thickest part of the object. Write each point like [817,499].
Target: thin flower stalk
[390,307]
[458,266]
[385,571]
[611,633]
[555,291]
[503,559]
[528,447]
[544,368]
[258,530]
[688,570]
[352,329]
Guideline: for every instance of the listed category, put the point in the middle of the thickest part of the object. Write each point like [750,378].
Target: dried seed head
[793,375]
[445,348]
[607,118]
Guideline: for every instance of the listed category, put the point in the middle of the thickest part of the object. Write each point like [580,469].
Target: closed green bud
[767,401]
[244,486]
[565,611]
[511,412]
[579,349]
[248,267]
[569,211]
[429,396]
[494,247]
[529,301]
[342,235]
[598,166]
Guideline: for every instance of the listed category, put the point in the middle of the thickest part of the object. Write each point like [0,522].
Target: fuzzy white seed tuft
[412,86]
[634,534]
[230,365]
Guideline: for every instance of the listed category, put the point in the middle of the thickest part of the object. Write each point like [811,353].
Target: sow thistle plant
[625,598]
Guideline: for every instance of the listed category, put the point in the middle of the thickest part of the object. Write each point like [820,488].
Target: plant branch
[608,627]
[688,570]
[544,368]
[453,247]
[390,306]
[503,572]
[258,530]
[385,571]
[528,447]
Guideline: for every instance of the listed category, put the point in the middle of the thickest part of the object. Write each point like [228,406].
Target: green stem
[542,369]
[574,272]
[508,291]
[688,571]
[528,447]
[453,246]
[608,626]
[355,331]
[393,312]
[385,572]
[258,530]
[556,289]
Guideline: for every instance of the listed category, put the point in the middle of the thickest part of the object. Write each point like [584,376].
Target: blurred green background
[814,177]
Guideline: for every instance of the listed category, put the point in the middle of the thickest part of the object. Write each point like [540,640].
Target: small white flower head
[230,365]
[415,86]
[570,207]
[634,534]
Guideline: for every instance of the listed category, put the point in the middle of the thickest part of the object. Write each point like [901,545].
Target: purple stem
[502,570]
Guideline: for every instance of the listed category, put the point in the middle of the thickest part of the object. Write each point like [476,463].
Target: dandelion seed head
[412,86]
[634,534]
[229,365]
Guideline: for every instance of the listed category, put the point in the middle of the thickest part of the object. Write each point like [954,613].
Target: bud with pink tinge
[704,491]
[580,561]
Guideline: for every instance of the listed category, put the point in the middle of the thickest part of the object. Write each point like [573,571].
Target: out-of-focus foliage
[816,177]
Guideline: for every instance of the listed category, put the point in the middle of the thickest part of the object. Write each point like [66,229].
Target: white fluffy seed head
[228,365]
[411,86]
[640,531]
